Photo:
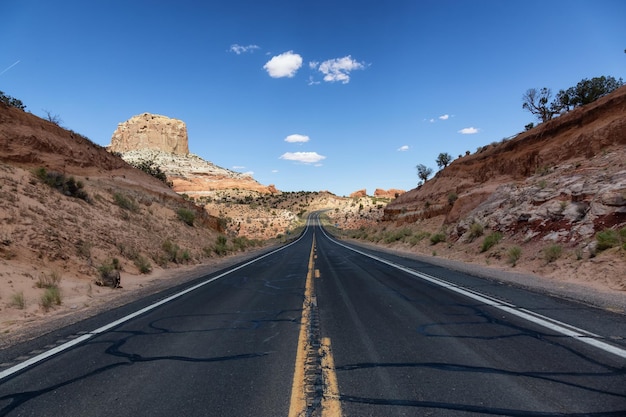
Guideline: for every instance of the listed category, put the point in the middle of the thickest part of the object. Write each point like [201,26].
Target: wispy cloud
[296,138]
[240,49]
[403,148]
[239,167]
[338,69]
[468,131]
[303,157]
[444,117]
[274,171]
[10,66]
[283,65]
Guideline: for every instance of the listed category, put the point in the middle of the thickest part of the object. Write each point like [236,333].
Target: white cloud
[283,65]
[337,69]
[444,117]
[468,131]
[239,167]
[403,148]
[432,120]
[274,171]
[295,138]
[240,49]
[304,157]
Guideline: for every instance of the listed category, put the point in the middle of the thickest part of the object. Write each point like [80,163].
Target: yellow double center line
[313,351]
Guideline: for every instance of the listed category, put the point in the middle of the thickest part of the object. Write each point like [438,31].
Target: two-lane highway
[318,328]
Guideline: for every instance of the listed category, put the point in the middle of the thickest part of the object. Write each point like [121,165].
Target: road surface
[323,328]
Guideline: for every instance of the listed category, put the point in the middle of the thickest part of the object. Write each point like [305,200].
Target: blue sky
[307,95]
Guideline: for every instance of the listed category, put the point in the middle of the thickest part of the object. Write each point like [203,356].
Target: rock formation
[359,194]
[561,181]
[151,131]
[390,193]
[164,142]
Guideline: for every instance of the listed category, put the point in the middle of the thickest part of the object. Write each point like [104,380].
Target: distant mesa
[151,131]
[390,193]
[359,193]
[380,193]
[164,142]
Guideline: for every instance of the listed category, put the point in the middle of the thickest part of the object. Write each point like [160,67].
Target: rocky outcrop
[151,131]
[195,177]
[390,193]
[359,194]
[561,181]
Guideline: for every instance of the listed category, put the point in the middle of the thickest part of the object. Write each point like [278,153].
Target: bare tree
[538,103]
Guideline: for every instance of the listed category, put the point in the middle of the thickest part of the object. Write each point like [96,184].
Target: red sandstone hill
[567,175]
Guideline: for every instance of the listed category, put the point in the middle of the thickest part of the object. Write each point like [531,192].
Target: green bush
[67,186]
[186,215]
[11,101]
[221,247]
[610,238]
[514,254]
[452,197]
[109,272]
[552,253]
[48,281]
[51,296]
[396,235]
[143,264]
[476,230]
[125,202]
[490,241]
[17,300]
[150,168]
[437,237]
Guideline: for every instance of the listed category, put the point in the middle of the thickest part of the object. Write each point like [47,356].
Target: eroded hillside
[69,209]
[547,199]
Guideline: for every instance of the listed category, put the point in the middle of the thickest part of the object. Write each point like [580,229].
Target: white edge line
[549,323]
[58,349]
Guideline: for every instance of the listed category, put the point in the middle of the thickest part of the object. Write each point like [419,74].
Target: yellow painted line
[297,406]
[331,405]
[317,273]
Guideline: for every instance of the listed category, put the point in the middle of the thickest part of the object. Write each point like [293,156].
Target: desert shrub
[67,186]
[83,249]
[221,247]
[396,235]
[610,238]
[552,253]
[476,230]
[143,264]
[437,237]
[171,250]
[452,197]
[109,273]
[48,281]
[18,301]
[11,101]
[125,202]
[241,243]
[150,168]
[514,253]
[51,296]
[186,215]
[417,237]
[490,241]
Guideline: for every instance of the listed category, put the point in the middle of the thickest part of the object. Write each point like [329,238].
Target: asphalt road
[318,329]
